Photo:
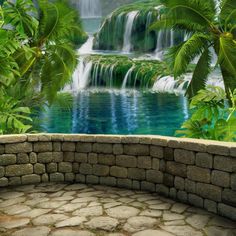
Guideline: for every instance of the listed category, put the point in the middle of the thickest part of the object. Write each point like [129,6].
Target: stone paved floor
[80,210]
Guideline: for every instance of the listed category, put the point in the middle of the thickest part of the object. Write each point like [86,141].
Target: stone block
[233,181]
[81,157]
[147,186]
[39,169]
[68,146]
[136,149]
[3,182]
[100,170]
[18,148]
[57,156]
[92,179]
[168,154]
[15,181]
[229,197]
[145,162]
[204,160]
[33,158]
[182,196]
[7,159]
[18,170]
[175,168]
[45,157]
[126,161]
[190,186]
[51,167]
[118,149]
[30,179]
[162,190]
[162,165]
[220,178]
[16,138]
[154,176]
[105,148]
[56,177]
[130,139]
[86,169]
[93,158]
[75,167]
[155,164]
[225,163]
[135,185]
[106,159]
[69,156]
[22,158]
[108,139]
[199,174]
[80,178]
[65,167]
[168,180]
[43,147]
[227,211]
[218,149]
[173,193]
[124,183]
[184,156]
[136,173]
[108,181]
[45,178]
[2,149]
[69,177]
[209,191]
[84,147]
[44,137]
[2,171]
[179,183]
[119,172]
[210,206]
[195,200]
[156,151]
[56,146]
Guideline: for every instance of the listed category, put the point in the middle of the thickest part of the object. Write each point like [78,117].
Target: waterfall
[170,84]
[81,75]
[89,8]
[87,47]
[127,44]
[127,76]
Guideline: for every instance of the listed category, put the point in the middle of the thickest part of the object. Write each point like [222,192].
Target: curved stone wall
[198,172]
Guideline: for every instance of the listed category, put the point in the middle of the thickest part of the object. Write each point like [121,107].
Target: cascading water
[127,76]
[89,8]
[127,44]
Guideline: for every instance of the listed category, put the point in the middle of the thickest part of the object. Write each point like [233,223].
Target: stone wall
[201,173]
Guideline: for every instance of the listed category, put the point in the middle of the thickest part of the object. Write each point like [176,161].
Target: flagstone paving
[81,210]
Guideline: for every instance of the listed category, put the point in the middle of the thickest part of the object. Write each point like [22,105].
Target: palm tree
[46,57]
[210,24]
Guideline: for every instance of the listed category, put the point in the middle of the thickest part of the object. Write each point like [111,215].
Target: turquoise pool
[117,112]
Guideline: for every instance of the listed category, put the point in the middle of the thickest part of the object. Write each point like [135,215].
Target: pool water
[117,112]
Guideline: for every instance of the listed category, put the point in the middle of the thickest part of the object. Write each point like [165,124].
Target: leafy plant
[212,118]
[207,27]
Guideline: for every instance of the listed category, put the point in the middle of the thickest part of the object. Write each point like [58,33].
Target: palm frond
[180,56]
[200,74]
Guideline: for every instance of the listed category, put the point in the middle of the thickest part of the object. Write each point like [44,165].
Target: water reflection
[118,112]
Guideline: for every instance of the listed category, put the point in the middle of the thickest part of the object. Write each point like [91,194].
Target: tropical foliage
[37,57]
[209,25]
[212,118]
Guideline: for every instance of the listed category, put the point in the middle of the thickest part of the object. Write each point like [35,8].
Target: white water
[87,47]
[81,75]
[89,8]
[127,77]
[127,45]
